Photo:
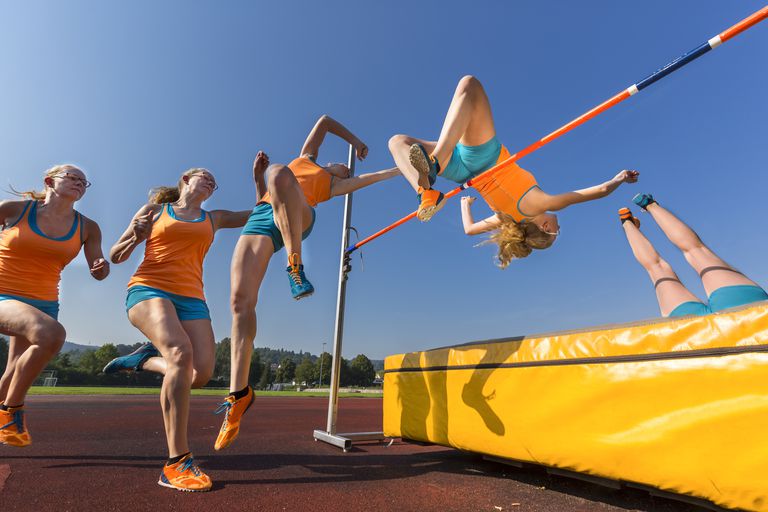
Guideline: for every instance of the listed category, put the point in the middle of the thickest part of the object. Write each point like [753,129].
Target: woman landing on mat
[467,147]
[167,304]
[41,236]
[726,287]
[284,215]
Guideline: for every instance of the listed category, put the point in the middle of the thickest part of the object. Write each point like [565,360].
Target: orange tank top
[313,180]
[30,261]
[506,188]
[173,257]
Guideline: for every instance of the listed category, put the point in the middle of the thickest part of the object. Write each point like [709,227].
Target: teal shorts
[49,307]
[262,222]
[722,298]
[187,308]
[468,161]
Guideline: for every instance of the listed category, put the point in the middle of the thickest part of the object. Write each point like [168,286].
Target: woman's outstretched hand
[627,176]
[260,164]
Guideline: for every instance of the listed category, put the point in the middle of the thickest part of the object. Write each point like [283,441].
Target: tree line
[268,366]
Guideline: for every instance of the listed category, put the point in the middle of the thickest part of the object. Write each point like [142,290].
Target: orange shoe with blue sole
[186,476]
[12,429]
[233,410]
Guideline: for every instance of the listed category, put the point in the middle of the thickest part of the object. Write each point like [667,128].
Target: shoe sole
[419,161]
[304,296]
[169,486]
[15,445]
[6,443]
[425,214]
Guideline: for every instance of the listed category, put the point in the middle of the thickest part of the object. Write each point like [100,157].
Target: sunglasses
[74,178]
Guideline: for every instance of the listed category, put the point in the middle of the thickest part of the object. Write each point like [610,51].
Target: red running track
[104,453]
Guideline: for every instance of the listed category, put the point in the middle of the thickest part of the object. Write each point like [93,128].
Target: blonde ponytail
[161,195]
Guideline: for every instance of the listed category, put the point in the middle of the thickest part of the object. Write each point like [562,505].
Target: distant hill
[71,347]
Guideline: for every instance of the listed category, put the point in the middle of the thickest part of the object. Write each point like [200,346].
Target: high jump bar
[673,66]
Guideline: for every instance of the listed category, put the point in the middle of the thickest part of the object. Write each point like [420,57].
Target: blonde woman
[41,236]
[167,304]
[468,147]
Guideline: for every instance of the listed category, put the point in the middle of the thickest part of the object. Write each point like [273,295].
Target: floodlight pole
[329,435]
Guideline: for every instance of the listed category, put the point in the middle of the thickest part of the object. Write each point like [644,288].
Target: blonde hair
[162,194]
[518,239]
[54,171]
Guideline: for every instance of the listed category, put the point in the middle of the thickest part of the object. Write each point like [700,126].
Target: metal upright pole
[341,295]
[343,441]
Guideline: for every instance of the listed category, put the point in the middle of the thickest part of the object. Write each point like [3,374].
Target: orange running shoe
[233,410]
[185,476]
[625,215]
[12,430]
[431,202]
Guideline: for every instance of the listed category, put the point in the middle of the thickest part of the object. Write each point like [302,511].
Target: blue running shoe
[300,286]
[426,165]
[643,200]
[132,361]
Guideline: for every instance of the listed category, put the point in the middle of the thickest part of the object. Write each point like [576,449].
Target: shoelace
[189,465]
[18,420]
[295,269]
[224,407]
[295,274]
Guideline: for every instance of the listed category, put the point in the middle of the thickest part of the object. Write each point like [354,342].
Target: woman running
[468,147]
[284,215]
[726,287]
[41,236]
[166,303]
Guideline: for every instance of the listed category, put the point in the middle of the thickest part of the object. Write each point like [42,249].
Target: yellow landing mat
[680,405]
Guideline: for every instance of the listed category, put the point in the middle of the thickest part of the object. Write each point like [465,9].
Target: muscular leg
[16,347]
[45,336]
[249,264]
[157,320]
[203,349]
[698,255]
[469,120]
[670,292]
[292,213]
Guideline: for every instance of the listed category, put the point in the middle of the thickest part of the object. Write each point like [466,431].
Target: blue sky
[137,92]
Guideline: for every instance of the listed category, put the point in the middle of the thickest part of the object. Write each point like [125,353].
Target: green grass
[64,390]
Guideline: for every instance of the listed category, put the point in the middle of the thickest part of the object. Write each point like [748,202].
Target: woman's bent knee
[178,357]
[397,140]
[469,83]
[49,337]
[279,176]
